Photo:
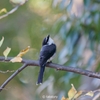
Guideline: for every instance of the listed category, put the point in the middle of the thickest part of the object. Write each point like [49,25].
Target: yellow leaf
[67,99]
[72,92]
[23,52]
[3,10]
[16,59]
[90,93]
[63,98]
[78,94]
[1,42]
[6,52]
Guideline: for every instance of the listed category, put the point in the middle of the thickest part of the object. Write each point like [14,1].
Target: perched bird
[47,51]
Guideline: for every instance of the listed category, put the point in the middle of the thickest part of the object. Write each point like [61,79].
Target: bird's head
[47,41]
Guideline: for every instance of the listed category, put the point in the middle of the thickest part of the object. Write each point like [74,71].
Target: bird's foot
[49,62]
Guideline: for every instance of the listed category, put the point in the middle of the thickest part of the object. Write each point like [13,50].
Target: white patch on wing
[49,60]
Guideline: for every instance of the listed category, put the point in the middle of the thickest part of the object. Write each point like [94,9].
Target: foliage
[73,94]
[76,33]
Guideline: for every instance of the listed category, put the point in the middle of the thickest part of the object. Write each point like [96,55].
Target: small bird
[47,51]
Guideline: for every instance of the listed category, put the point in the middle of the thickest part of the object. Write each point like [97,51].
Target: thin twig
[96,95]
[12,76]
[10,12]
[50,65]
[7,71]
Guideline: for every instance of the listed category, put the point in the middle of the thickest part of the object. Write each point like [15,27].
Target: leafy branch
[16,3]
[27,63]
[10,12]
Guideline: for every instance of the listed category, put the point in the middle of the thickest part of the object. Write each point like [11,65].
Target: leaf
[63,98]
[6,52]
[3,10]
[90,93]
[18,57]
[23,52]
[1,42]
[78,94]
[72,92]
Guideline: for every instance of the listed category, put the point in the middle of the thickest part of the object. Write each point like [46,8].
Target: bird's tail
[40,77]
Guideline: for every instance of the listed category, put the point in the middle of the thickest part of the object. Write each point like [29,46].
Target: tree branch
[50,65]
[12,76]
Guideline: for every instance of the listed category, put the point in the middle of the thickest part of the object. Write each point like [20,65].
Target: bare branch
[50,65]
[12,76]
[96,95]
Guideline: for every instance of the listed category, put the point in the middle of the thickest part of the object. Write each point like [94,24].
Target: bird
[46,54]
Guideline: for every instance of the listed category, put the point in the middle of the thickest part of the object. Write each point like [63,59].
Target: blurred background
[75,27]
